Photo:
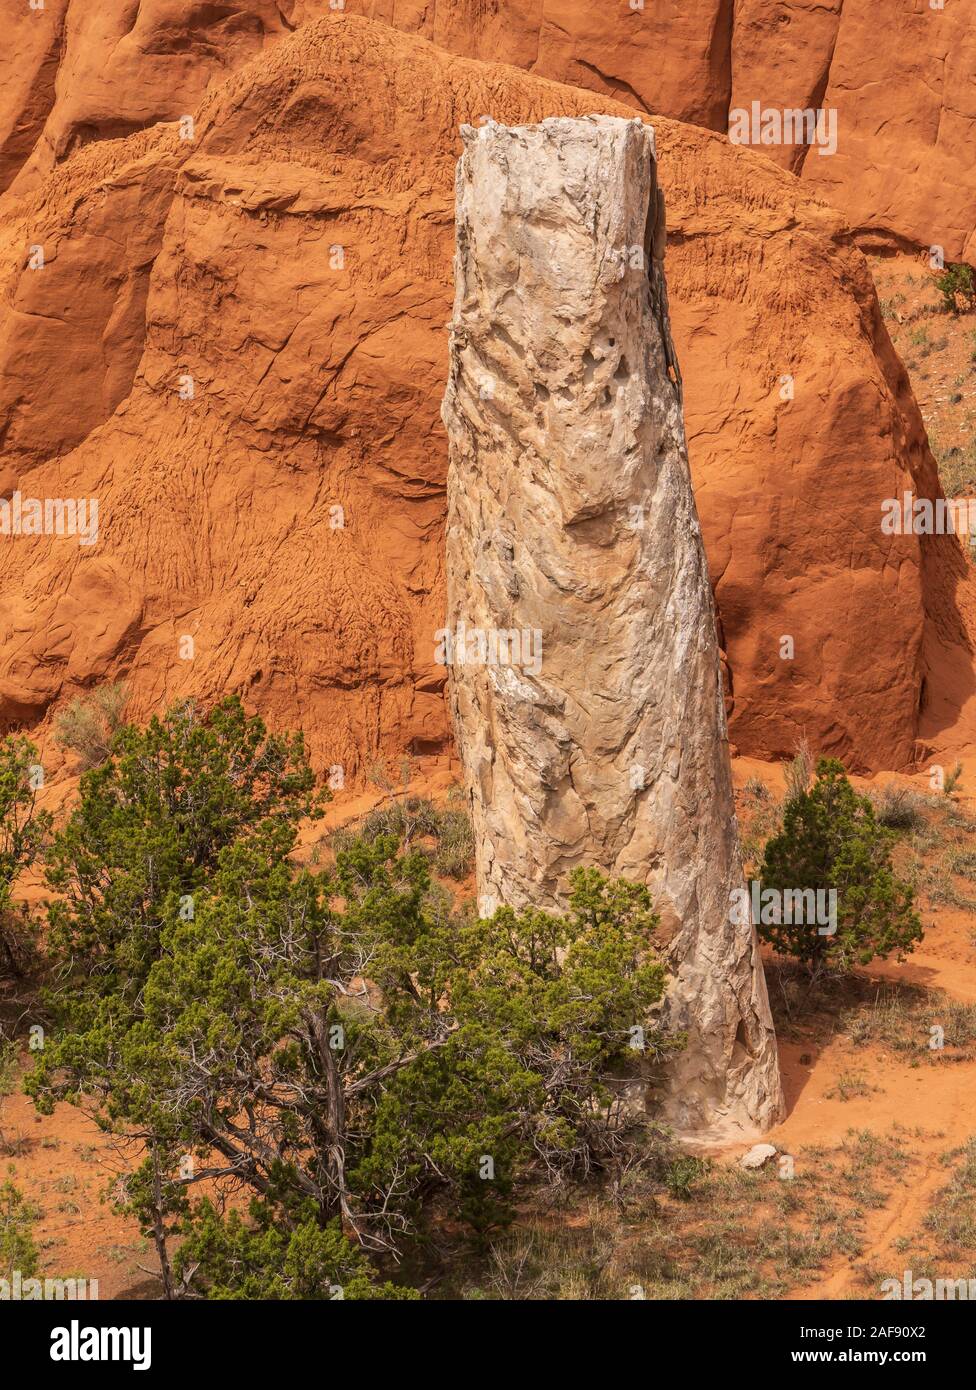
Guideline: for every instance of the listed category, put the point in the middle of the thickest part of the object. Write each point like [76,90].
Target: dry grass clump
[898,807]
[90,723]
[904,1018]
[444,834]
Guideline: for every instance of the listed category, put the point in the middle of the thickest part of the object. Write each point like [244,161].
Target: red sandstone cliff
[900,77]
[293,261]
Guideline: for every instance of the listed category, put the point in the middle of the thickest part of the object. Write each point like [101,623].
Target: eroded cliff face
[80,73]
[899,79]
[905,166]
[584,672]
[317,376]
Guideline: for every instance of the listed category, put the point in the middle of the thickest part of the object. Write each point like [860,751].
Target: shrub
[831,840]
[683,1173]
[756,790]
[898,808]
[23,830]
[414,820]
[409,818]
[952,780]
[903,1019]
[963,861]
[17,1247]
[229,1257]
[346,1052]
[454,856]
[8,1079]
[936,881]
[850,1085]
[89,725]
[957,286]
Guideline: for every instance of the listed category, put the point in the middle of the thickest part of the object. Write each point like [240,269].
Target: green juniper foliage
[17,1248]
[23,830]
[139,851]
[226,1257]
[832,840]
[339,1046]
[955,284]
[147,835]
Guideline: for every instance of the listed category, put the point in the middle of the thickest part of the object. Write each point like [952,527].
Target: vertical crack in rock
[581,638]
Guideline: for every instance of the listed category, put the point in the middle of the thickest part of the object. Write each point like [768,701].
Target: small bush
[89,725]
[957,469]
[409,818]
[554,1265]
[957,286]
[890,307]
[765,818]
[23,831]
[755,790]
[799,772]
[831,841]
[903,1019]
[899,808]
[850,1085]
[414,820]
[953,780]
[935,880]
[454,856]
[963,862]
[683,1174]
[17,1247]
[8,1079]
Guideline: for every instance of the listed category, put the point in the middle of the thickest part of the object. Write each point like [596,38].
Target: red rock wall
[318,386]
[899,74]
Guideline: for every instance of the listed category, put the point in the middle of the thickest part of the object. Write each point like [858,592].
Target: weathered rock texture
[899,76]
[82,72]
[571,522]
[76,72]
[318,384]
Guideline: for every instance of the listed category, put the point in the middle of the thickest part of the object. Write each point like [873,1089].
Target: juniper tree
[830,840]
[137,853]
[348,1051]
